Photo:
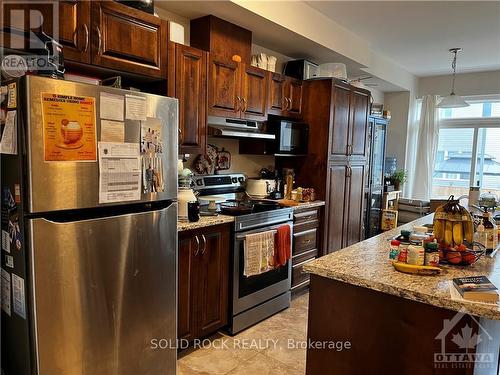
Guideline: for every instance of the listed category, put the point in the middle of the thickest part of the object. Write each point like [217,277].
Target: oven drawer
[298,276]
[304,241]
[304,216]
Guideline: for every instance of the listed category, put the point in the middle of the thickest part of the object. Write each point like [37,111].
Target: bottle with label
[394,250]
[480,236]
[432,254]
[491,233]
[416,254]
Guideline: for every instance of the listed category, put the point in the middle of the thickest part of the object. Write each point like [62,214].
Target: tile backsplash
[248,164]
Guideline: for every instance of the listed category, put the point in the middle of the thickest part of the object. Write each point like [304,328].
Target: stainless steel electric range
[257,297]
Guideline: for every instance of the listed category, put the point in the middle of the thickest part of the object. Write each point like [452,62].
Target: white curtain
[424,153]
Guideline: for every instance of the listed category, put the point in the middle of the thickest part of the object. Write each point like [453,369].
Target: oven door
[292,137]
[251,291]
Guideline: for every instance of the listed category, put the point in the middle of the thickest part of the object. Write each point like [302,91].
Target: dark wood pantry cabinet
[337,114]
[203,271]
[188,83]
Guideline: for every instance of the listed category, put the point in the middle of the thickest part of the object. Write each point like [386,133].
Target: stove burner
[243,207]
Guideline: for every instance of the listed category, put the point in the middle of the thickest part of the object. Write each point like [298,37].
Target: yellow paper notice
[69,128]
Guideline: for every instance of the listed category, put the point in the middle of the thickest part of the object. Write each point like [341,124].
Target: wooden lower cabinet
[306,242]
[203,272]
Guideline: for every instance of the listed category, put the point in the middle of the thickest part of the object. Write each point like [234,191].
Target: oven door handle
[242,236]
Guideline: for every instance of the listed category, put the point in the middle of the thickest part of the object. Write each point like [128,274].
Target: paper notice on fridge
[9,261]
[18,296]
[6,292]
[5,241]
[8,144]
[111,107]
[112,131]
[135,108]
[119,172]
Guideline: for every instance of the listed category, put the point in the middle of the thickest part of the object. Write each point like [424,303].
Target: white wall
[479,83]
[399,105]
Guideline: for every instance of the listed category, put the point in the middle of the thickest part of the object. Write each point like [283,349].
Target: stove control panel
[234,181]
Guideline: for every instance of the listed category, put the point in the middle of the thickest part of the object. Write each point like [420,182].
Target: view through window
[469,149]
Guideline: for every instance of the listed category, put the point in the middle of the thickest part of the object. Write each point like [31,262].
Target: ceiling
[417,34]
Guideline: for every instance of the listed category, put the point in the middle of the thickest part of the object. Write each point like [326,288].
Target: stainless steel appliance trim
[163,321]
[243,134]
[260,296]
[55,186]
[259,219]
[33,295]
[260,312]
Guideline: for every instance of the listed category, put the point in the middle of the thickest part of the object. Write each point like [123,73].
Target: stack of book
[477,288]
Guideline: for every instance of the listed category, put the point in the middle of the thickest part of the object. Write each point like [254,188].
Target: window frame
[475,123]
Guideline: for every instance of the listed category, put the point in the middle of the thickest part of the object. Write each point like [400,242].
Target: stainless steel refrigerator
[89,238]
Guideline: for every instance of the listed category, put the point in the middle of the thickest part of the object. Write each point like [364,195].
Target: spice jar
[394,250]
[431,254]
[416,255]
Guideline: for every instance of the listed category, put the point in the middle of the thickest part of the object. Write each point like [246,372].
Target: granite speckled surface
[312,204]
[205,221]
[366,264]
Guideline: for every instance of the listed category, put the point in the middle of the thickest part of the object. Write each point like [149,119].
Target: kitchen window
[469,148]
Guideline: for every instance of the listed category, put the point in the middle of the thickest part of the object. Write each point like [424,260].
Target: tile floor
[269,347]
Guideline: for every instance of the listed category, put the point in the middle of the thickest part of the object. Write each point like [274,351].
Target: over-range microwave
[292,137]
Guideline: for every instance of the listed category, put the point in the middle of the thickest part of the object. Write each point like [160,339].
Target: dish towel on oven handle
[258,252]
[283,246]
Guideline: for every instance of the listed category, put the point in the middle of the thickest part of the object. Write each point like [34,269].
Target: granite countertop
[205,221]
[312,204]
[366,264]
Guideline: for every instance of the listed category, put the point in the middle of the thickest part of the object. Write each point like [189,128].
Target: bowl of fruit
[464,254]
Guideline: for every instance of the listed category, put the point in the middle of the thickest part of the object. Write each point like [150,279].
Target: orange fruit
[454,257]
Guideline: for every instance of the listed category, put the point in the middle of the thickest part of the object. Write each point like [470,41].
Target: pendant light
[453,100]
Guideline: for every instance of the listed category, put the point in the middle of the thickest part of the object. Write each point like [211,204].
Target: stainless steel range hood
[237,128]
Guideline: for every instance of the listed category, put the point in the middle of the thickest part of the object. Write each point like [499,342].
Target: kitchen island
[381,321]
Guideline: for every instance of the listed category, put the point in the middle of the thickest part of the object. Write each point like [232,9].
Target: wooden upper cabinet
[294,108]
[360,104]
[189,78]
[339,133]
[224,89]
[74,30]
[276,94]
[128,39]
[254,93]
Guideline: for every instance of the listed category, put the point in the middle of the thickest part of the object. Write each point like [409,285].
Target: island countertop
[366,264]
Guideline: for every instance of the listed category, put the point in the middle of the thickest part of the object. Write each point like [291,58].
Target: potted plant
[398,178]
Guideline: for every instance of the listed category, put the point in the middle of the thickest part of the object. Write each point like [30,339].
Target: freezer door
[102,290]
[64,185]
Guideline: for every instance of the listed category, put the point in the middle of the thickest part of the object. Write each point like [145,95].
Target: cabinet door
[191,90]
[336,207]
[294,97]
[224,89]
[189,245]
[127,39]
[74,30]
[213,285]
[276,94]
[254,93]
[354,204]
[360,104]
[339,131]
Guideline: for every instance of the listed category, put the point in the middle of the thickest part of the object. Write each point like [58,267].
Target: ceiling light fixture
[453,100]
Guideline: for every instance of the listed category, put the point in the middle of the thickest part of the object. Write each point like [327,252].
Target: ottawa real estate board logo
[27,23]
[465,344]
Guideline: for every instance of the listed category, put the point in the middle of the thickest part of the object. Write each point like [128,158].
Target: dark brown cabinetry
[306,243]
[337,114]
[124,38]
[237,90]
[188,83]
[284,96]
[203,269]
[103,33]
